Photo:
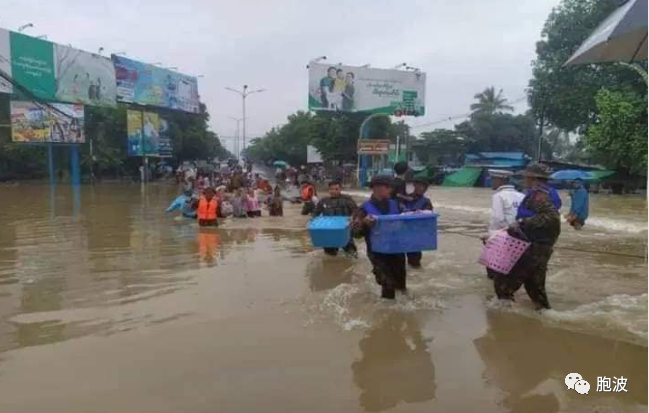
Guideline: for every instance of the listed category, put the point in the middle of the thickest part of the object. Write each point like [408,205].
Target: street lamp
[101,49]
[236,135]
[244,94]
[25,26]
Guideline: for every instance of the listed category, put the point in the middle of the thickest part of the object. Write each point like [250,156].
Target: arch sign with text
[361,89]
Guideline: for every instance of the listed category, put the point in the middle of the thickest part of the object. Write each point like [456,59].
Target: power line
[459,116]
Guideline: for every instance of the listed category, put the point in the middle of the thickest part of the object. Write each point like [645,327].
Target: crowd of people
[532,216]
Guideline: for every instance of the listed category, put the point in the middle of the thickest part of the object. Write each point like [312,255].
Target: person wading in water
[538,221]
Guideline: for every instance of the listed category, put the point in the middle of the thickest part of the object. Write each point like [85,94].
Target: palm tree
[490,102]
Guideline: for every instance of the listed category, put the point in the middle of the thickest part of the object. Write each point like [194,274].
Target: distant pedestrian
[579,205]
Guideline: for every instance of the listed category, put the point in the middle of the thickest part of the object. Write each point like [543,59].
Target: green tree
[619,135]
[490,102]
[441,147]
[565,96]
[499,132]
[335,135]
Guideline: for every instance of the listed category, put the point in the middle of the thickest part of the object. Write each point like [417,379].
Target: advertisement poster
[146,84]
[5,61]
[83,77]
[362,89]
[143,129]
[32,64]
[33,123]
[164,140]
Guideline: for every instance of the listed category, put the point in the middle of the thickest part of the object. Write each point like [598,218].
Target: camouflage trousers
[530,272]
[389,271]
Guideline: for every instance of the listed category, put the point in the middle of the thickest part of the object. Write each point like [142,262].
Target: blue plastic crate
[329,232]
[394,234]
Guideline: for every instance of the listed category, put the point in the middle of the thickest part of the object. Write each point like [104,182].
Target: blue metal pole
[74,165]
[50,162]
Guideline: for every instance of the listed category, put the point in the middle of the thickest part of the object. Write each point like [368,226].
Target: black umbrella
[622,37]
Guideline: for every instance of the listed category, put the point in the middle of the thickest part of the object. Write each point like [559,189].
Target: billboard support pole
[74,165]
[50,162]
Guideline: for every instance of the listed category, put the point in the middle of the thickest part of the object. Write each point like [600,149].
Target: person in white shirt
[504,203]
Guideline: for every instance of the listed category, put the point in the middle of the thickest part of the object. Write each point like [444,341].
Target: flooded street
[107,304]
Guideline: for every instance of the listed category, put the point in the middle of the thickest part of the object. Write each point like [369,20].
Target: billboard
[313,155]
[362,89]
[164,139]
[5,61]
[32,65]
[147,134]
[146,84]
[83,77]
[34,123]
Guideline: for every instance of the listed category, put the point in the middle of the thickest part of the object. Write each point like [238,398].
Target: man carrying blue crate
[415,200]
[389,269]
[337,204]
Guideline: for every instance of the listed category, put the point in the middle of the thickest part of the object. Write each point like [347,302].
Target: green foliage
[619,135]
[440,147]
[565,96]
[490,103]
[499,132]
[335,135]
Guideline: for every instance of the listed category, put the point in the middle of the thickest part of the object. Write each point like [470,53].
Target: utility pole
[236,135]
[244,93]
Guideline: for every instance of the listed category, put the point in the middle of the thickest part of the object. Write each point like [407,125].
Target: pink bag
[502,251]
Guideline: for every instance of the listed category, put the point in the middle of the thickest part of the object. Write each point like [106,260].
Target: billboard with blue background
[150,85]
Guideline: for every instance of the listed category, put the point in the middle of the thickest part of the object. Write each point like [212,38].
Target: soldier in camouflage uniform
[337,204]
[538,221]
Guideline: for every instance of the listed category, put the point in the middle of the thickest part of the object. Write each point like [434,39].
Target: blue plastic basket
[329,232]
[395,234]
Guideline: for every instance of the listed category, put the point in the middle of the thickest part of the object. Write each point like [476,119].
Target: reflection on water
[529,362]
[325,272]
[395,365]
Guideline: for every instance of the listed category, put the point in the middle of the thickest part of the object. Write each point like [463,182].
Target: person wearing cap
[538,221]
[578,205]
[389,269]
[399,181]
[184,203]
[416,200]
[337,204]
[504,203]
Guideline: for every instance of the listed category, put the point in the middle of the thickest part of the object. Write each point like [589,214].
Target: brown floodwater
[107,304]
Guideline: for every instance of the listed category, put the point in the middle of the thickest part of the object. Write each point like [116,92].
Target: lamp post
[25,26]
[236,135]
[244,93]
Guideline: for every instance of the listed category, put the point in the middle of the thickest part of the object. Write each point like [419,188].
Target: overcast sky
[462,45]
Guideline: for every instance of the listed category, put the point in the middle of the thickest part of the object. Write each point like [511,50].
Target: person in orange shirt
[208,208]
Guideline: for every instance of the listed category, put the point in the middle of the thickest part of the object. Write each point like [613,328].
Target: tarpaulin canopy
[596,175]
[465,177]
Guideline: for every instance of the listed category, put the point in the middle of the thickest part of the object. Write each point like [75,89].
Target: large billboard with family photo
[362,89]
